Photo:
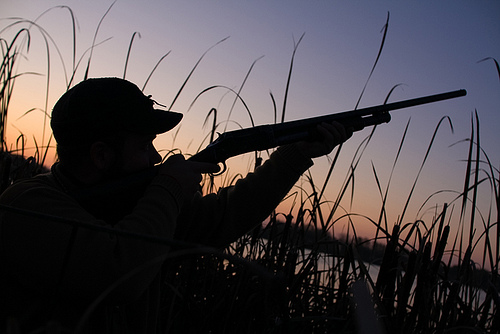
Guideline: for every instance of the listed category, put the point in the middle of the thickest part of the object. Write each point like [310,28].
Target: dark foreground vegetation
[293,276]
[286,287]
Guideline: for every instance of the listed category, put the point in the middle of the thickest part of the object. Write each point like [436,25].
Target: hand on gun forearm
[331,134]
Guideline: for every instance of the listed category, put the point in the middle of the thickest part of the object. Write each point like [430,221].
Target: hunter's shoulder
[37,186]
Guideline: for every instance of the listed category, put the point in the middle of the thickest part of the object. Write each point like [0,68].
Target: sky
[430,47]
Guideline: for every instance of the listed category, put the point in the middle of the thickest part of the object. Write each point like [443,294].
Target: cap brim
[158,121]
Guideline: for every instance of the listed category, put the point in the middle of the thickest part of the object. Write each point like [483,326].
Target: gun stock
[263,137]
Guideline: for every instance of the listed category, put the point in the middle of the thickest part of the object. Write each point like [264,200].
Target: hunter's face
[138,153]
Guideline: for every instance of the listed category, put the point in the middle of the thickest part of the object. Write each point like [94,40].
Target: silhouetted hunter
[104,128]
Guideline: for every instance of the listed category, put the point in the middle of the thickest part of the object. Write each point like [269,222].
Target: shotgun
[263,137]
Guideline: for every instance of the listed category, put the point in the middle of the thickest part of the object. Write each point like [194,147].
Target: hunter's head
[110,124]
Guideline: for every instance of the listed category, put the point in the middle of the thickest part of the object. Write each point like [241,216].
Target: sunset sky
[431,47]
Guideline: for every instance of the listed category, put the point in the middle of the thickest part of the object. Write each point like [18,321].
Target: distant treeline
[368,250]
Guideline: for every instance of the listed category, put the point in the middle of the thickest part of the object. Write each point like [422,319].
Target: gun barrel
[416,101]
[392,106]
[357,119]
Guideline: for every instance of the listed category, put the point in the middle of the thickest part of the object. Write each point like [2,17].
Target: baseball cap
[103,106]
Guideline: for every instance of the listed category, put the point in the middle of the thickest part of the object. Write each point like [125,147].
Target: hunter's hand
[332,134]
[187,173]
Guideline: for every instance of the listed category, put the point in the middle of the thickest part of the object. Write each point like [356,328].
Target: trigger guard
[223,169]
